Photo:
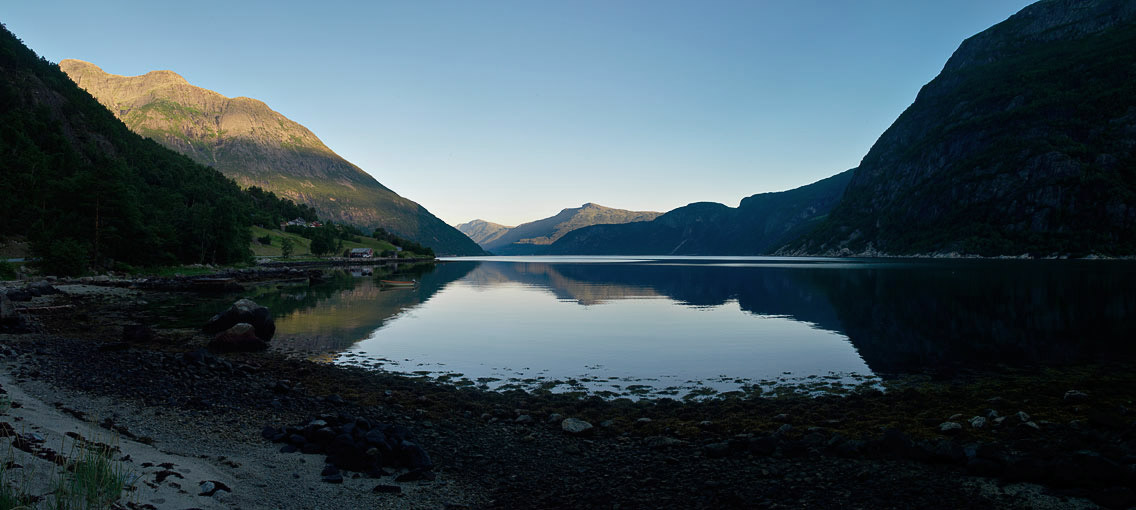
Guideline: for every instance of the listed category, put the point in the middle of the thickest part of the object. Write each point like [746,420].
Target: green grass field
[301,246]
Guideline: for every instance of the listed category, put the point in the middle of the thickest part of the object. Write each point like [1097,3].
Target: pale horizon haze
[509,111]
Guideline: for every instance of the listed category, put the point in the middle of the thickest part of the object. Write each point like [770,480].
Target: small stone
[387,489]
[643,420]
[607,424]
[716,450]
[950,427]
[575,426]
[1032,425]
[999,420]
[955,417]
[336,478]
[978,422]
[1076,396]
[208,488]
[1023,416]
[781,418]
[555,417]
[992,414]
[524,419]
[784,429]
[662,442]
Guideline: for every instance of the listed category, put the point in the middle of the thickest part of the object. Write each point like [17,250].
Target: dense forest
[89,193]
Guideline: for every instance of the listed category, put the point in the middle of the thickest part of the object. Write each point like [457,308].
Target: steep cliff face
[534,237]
[1024,143]
[758,225]
[256,146]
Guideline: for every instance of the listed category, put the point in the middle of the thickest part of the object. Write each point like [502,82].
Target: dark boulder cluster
[355,444]
[11,321]
[244,327]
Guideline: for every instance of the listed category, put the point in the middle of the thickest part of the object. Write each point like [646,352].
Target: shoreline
[508,450]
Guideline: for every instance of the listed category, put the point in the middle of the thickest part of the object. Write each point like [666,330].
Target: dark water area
[683,326]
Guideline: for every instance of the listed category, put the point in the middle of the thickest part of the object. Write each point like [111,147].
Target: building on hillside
[362,253]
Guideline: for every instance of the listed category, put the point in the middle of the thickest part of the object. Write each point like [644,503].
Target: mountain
[256,146]
[482,231]
[535,237]
[86,191]
[758,225]
[1024,143]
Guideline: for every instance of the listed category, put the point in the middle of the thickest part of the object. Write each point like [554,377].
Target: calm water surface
[691,326]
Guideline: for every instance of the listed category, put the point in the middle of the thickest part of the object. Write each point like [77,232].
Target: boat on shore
[399,283]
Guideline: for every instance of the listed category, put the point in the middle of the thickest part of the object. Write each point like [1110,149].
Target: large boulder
[7,310]
[239,338]
[243,311]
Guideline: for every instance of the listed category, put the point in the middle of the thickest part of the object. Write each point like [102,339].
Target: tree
[286,247]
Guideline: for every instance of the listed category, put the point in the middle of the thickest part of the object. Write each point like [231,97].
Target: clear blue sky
[512,110]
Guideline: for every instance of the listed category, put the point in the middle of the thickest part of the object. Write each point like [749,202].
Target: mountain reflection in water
[526,318]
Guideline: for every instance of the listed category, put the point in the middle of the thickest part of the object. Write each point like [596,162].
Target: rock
[201,356]
[329,469]
[7,310]
[1023,416]
[781,418]
[575,426]
[210,487]
[269,432]
[607,424]
[955,417]
[21,295]
[415,456]
[784,429]
[243,311]
[335,478]
[239,338]
[387,489]
[659,442]
[137,334]
[42,288]
[1075,396]
[555,417]
[415,475]
[978,422]
[716,450]
[523,419]
[643,421]
[949,428]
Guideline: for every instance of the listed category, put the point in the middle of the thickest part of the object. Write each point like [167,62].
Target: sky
[510,111]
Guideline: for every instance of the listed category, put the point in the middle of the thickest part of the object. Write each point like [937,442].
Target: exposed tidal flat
[996,420]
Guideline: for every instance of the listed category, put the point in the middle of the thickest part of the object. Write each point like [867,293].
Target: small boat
[398,283]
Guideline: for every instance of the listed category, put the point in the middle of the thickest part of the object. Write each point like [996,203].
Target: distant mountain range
[249,142]
[535,237]
[483,232]
[761,223]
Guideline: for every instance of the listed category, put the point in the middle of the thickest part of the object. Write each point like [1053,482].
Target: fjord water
[689,325]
